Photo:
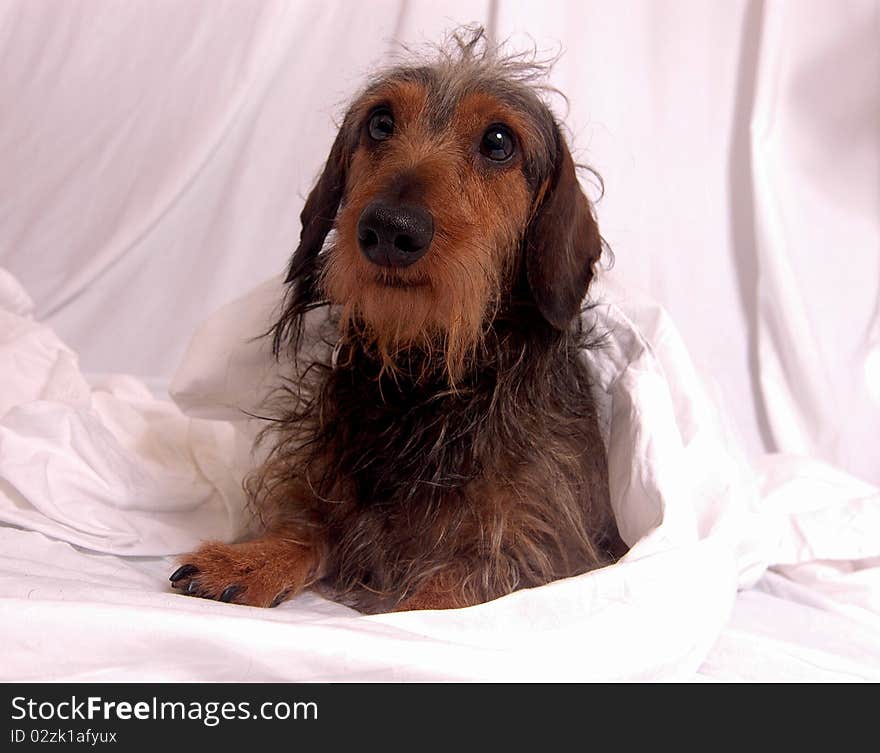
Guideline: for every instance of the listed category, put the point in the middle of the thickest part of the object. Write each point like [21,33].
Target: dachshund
[439,447]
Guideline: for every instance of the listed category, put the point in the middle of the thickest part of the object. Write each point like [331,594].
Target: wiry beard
[443,317]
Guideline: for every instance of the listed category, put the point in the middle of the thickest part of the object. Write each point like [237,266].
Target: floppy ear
[317,218]
[562,243]
[319,214]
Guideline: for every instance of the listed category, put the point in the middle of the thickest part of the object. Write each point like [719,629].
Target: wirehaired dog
[447,452]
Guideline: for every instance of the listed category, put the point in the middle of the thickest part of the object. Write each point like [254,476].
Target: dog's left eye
[497,143]
[381,125]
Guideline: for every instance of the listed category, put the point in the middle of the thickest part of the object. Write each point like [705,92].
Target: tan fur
[480,215]
[267,570]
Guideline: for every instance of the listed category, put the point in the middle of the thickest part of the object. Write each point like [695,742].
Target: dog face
[447,185]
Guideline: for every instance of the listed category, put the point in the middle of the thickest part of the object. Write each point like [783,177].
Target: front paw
[260,573]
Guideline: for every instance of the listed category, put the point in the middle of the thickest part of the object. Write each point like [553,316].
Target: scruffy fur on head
[487,220]
[443,448]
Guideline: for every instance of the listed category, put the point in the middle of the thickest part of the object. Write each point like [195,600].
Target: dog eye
[381,125]
[497,143]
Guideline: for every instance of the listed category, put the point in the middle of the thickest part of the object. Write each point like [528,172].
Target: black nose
[394,236]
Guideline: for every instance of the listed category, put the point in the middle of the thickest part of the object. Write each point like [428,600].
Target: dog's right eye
[381,125]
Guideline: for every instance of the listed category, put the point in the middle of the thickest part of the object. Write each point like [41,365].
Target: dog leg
[259,573]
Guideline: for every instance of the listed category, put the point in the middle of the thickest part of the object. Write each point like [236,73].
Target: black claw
[183,572]
[192,587]
[230,593]
[281,597]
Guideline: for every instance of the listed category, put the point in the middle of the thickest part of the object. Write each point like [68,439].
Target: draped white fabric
[156,155]
[100,483]
[816,168]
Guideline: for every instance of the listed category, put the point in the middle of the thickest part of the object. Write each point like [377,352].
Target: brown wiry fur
[443,448]
[467,264]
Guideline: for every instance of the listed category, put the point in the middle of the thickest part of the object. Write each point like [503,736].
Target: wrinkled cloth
[101,484]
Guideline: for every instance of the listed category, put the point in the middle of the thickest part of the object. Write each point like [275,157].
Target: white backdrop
[156,154]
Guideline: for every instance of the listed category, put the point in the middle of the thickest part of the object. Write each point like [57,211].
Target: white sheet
[95,478]
[816,163]
[104,466]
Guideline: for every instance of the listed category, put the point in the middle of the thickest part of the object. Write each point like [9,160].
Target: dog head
[449,186]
